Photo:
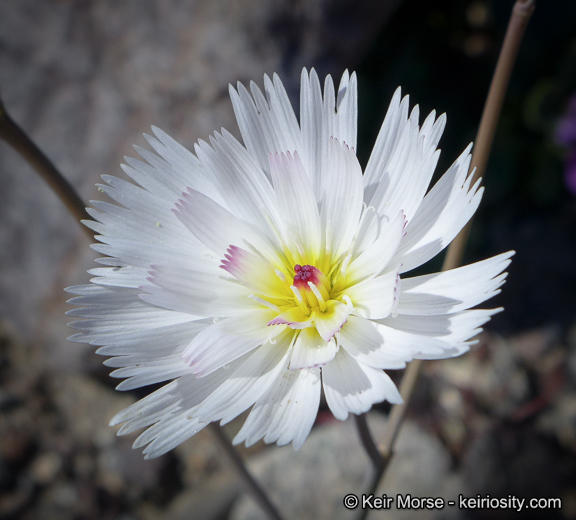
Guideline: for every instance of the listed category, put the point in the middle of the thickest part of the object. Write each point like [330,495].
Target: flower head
[258,275]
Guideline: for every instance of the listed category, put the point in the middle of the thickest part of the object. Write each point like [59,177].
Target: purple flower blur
[565,136]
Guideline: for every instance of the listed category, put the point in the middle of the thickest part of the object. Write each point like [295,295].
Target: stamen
[264,302]
[300,300]
[319,297]
[312,285]
[348,302]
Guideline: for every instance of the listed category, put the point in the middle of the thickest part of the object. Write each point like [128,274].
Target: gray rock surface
[86,79]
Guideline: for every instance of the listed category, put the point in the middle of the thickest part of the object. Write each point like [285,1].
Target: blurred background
[85,80]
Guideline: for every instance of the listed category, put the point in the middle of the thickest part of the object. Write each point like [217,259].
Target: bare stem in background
[378,461]
[252,487]
[521,14]
[17,139]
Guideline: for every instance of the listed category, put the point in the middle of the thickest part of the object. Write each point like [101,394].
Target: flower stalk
[19,141]
[245,477]
[519,19]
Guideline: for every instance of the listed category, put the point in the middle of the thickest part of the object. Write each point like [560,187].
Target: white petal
[455,329]
[171,411]
[323,117]
[343,189]
[364,342]
[267,124]
[376,297]
[351,387]
[195,292]
[330,322]
[297,205]
[147,371]
[403,160]
[173,433]
[287,413]
[185,166]
[239,178]
[414,346]
[154,177]
[216,227]
[117,314]
[314,138]
[375,258]
[227,340]
[311,350]
[388,137]
[246,384]
[454,290]
[443,213]
[346,114]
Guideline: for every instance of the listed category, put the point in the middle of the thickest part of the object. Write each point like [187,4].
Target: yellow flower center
[311,288]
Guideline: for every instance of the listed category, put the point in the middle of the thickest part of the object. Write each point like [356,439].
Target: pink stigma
[305,274]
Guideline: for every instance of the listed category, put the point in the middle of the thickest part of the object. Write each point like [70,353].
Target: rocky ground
[498,421]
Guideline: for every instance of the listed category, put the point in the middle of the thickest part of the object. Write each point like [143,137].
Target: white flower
[258,275]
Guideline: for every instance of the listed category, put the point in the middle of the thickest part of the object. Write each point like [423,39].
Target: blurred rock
[313,482]
[93,76]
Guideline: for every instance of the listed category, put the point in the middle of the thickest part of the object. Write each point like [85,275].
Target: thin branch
[252,487]
[17,139]
[521,14]
[368,441]
[379,462]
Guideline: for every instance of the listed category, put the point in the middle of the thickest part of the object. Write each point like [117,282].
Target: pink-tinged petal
[294,318]
[255,273]
[227,340]
[328,323]
[375,298]
[217,228]
[351,387]
[454,290]
[311,350]
[287,412]
[297,207]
